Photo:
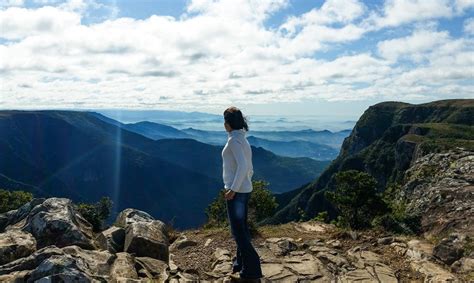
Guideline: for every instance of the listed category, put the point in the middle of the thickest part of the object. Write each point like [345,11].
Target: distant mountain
[80,156]
[158,116]
[284,143]
[328,138]
[296,148]
[384,143]
[156,131]
[283,173]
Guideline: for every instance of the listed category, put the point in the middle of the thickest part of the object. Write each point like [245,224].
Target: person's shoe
[236,268]
[237,278]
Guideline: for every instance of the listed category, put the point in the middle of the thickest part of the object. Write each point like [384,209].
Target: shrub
[96,213]
[323,216]
[262,204]
[356,199]
[11,200]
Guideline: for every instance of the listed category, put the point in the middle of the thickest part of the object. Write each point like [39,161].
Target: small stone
[385,241]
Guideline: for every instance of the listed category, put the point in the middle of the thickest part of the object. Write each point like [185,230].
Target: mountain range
[319,145]
[84,156]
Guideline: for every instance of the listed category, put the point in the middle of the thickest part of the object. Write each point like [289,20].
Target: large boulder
[131,215]
[147,239]
[15,216]
[144,236]
[30,262]
[52,264]
[60,268]
[56,222]
[112,239]
[15,244]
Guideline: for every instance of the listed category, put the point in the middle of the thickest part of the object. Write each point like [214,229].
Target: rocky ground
[316,252]
[46,240]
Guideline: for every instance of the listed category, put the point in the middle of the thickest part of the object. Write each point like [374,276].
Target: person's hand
[229,195]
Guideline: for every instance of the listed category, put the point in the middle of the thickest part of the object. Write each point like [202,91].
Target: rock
[123,267]
[208,242]
[15,244]
[15,216]
[131,215]
[223,262]
[432,271]
[464,265]
[334,243]
[69,264]
[112,239]
[56,222]
[312,227]
[449,249]
[60,268]
[181,243]
[385,241]
[32,261]
[281,246]
[97,263]
[419,249]
[153,268]
[147,239]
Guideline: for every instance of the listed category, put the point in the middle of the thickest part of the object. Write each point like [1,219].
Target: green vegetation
[262,204]
[96,213]
[323,216]
[356,199]
[11,200]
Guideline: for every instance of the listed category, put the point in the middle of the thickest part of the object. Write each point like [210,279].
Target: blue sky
[287,57]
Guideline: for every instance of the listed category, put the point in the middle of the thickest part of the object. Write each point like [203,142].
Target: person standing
[237,175]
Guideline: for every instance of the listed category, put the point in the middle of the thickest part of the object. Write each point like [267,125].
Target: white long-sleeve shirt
[237,164]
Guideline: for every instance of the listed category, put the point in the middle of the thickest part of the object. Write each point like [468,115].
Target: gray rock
[385,241]
[14,216]
[30,262]
[131,215]
[60,268]
[151,268]
[181,243]
[15,244]
[112,239]
[97,263]
[464,265]
[56,222]
[147,239]
[123,267]
[449,249]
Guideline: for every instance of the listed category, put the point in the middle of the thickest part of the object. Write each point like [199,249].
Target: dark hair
[236,120]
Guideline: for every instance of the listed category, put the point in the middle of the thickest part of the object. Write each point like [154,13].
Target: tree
[96,213]
[262,204]
[356,198]
[11,200]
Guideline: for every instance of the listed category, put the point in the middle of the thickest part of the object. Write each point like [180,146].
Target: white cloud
[469,26]
[11,3]
[17,23]
[413,46]
[215,55]
[398,12]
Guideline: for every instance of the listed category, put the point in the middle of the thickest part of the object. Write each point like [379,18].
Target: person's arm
[242,166]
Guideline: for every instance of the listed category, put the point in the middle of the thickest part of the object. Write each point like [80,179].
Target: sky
[269,57]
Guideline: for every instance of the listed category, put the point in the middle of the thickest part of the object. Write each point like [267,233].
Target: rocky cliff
[386,141]
[47,240]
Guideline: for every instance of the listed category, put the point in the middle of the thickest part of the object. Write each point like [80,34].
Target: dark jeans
[247,260]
